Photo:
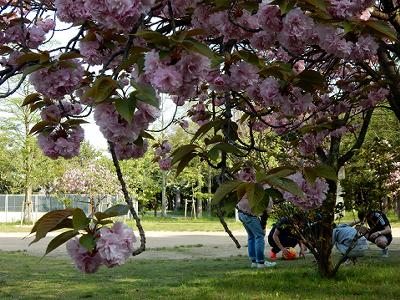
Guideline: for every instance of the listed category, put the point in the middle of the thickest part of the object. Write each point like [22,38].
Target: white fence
[11,205]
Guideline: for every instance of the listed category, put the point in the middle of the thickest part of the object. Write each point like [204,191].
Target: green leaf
[206,128]
[113,211]
[228,148]
[79,219]
[146,94]
[60,239]
[181,35]
[213,154]
[69,55]
[146,135]
[101,89]
[28,57]
[31,69]
[48,222]
[126,108]
[273,194]
[32,98]
[37,105]
[5,50]
[196,46]
[285,5]
[105,222]
[382,28]
[184,162]
[224,189]
[74,122]
[250,57]
[320,4]
[40,126]
[87,241]
[285,184]
[154,37]
[323,171]
[310,80]
[222,4]
[255,195]
[182,151]
[283,171]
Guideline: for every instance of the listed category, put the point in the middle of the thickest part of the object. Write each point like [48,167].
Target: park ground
[189,265]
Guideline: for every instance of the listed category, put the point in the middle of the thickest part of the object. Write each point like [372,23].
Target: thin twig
[128,200]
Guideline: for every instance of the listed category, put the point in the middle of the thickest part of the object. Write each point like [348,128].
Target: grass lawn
[24,277]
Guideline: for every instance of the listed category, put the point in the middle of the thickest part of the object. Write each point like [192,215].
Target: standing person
[281,237]
[255,234]
[380,231]
[343,237]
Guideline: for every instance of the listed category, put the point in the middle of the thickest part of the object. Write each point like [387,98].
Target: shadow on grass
[23,277]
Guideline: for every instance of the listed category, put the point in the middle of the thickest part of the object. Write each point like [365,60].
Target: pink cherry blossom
[71,11]
[130,150]
[120,15]
[61,143]
[315,193]
[57,82]
[269,17]
[88,262]
[297,31]
[165,163]
[247,174]
[115,245]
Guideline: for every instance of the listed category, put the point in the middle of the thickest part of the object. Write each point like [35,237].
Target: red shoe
[272,255]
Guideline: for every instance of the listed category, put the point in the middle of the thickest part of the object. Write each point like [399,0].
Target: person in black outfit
[380,231]
[281,237]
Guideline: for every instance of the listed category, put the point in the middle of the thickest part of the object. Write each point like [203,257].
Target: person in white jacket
[343,238]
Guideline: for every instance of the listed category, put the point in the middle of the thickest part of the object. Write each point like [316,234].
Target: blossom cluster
[179,78]
[247,174]
[162,151]
[54,112]
[32,36]
[113,247]
[61,142]
[57,81]
[315,193]
[109,14]
[122,133]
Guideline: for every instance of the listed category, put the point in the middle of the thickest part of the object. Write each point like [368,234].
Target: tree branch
[128,200]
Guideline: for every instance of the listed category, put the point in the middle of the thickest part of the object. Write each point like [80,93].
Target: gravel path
[167,245]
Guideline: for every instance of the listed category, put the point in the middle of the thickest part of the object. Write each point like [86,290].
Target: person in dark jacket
[379,231]
[281,237]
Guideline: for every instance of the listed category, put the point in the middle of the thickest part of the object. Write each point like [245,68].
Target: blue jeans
[255,237]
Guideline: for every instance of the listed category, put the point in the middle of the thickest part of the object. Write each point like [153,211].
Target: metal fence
[11,206]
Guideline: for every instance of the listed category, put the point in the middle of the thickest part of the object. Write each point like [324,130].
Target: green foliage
[366,184]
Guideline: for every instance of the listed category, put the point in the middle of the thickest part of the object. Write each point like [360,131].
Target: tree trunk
[398,207]
[178,203]
[199,207]
[27,206]
[27,153]
[324,245]
[164,195]
[209,192]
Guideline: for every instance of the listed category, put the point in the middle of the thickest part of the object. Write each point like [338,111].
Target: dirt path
[167,245]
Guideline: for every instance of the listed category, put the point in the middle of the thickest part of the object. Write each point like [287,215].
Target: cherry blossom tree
[307,71]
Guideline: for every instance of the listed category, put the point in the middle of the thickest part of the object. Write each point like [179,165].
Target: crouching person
[343,238]
[379,232]
[281,237]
